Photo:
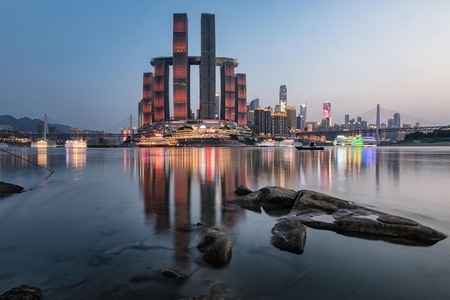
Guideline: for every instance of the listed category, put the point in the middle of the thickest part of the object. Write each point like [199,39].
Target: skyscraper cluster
[155,106]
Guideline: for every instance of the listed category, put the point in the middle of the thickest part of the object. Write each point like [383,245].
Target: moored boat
[75,144]
[157,142]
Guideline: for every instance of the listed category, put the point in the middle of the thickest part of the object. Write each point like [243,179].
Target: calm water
[107,221]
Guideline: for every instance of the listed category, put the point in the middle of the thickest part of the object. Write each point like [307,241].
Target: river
[103,223]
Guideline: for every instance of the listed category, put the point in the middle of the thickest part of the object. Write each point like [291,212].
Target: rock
[277,197]
[171,273]
[7,189]
[23,292]
[351,219]
[242,190]
[250,201]
[216,248]
[289,235]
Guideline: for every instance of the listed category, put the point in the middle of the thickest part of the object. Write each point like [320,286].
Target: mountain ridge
[26,124]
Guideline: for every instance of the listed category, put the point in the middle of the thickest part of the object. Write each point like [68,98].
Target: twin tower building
[231,105]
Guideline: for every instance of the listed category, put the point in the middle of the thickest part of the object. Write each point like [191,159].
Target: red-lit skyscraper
[161,92]
[241,99]
[147,96]
[227,109]
[181,70]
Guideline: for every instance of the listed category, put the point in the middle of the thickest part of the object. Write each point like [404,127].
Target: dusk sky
[81,61]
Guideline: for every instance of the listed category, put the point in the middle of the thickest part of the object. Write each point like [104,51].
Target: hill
[26,124]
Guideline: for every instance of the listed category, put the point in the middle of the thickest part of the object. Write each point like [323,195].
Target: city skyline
[82,62]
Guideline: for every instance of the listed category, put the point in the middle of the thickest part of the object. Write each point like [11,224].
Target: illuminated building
[146,102]
[279,123]
[283,98]
[207,66]
[302,117]
[181,69]
[263,121]
[232,106]
[291,113]
[241,99]
[326,114]
[227,109]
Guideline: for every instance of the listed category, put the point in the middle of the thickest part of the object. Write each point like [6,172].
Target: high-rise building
[240,91]
[326,114]
[146,103]
[254,104]
[208,67]
[283,98]
[397,120]
[302,117]
[161,92]
[263,121]
[228,103]
[181,69]
[291,113]
[279,123]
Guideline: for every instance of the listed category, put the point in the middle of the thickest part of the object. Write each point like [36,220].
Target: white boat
[157,142]
[267,143]
[44,143]
[342,140]
[75,144]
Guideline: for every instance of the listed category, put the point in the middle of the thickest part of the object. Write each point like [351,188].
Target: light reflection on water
[107,215]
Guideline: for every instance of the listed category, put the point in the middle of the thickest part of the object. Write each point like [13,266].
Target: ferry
[267,143]
[43,143]
[75,144]
[342,140]
[365,141]
[157,142]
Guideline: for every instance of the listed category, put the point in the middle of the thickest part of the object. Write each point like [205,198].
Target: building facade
[156,106]
[283,98]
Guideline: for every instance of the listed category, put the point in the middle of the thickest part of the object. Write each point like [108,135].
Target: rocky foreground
[307,208]
[297,211]
[7,189]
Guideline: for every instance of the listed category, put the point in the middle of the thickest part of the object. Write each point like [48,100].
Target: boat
[75,144]
[44,142]
[267,143]
[157,142]
[311,146]
[342,140]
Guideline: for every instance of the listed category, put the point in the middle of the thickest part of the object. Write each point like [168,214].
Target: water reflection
[42,156]
[76,158]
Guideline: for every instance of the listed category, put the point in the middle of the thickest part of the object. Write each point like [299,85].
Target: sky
[81,61]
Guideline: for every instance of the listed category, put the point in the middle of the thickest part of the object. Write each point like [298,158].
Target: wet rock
[7,189]
[171,273]
[289,235]
[322,211]
[242,190]
[277,197]
[23,292]
[351,219]
[216,248]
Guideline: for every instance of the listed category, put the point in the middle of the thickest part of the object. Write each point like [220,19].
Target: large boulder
[277,197]
[7,189]
[320,211]
[23,292]
[216,248]
[289,235]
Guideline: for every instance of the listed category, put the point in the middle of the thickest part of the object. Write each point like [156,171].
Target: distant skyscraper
[291,113]
[279,123]
[326,114]
[181,69]
[254,104]
[228,102]
[283,98]
[208,66]
[303,117]
[397,120]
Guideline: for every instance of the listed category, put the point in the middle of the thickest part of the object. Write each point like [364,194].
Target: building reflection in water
[183,186]
[42,156]
[76,158]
